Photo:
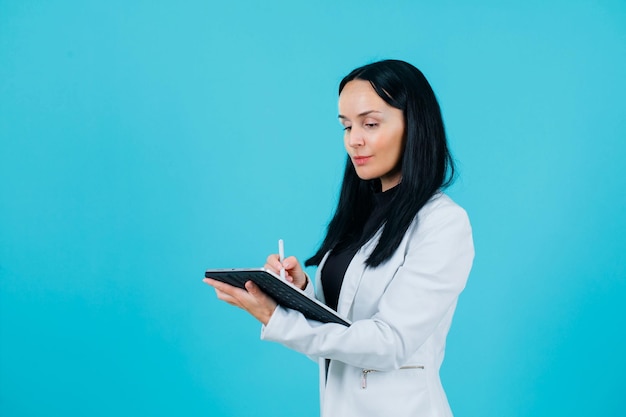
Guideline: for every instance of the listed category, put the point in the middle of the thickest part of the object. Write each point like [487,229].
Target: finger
[270,268]
[273,263]
[228,298]
[233,291]
[272,257]
[259,298]
[296,272]
[253,289]
[289,277]
[291,263]
[256,292]
[273,260]
[210,281]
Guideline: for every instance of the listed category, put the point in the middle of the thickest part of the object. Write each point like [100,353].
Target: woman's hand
[293,271]
[252,299]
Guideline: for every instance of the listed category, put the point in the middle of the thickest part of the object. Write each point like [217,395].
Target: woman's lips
[361,160]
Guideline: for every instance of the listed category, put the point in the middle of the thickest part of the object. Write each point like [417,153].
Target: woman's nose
[355,138]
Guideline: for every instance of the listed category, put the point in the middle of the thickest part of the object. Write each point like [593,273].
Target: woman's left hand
[252,299]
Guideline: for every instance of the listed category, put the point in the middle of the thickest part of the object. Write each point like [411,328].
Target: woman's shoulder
[441,210]
[441,201]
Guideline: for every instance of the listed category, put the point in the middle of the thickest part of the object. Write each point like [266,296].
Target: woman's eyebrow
[365,113]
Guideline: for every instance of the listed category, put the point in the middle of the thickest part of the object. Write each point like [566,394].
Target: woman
[396,256]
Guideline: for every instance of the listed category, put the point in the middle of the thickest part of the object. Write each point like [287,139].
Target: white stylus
[281,257]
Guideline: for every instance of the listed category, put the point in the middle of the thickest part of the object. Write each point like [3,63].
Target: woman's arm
[423,290]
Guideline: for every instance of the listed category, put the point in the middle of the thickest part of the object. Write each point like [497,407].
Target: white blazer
[387,362]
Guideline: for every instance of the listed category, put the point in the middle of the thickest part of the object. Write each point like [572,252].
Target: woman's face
[374,133]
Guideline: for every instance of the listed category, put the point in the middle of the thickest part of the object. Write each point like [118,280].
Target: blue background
[142,142]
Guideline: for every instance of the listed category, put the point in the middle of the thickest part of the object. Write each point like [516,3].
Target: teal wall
[142,142]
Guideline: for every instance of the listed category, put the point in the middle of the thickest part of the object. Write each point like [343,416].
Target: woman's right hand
[293,271]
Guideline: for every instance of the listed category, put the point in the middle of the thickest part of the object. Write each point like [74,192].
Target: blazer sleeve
[425,287]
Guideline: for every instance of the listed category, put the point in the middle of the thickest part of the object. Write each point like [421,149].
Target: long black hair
[426,164]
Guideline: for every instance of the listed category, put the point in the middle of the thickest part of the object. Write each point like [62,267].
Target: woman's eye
[347,128]
[371,125]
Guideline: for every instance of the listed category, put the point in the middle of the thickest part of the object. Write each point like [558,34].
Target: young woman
[396,256]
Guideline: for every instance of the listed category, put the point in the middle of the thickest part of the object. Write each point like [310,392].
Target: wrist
[306,282]
[268,316]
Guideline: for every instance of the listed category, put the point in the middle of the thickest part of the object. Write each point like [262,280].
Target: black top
[340,257]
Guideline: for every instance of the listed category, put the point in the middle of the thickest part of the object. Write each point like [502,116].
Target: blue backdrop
[142,142]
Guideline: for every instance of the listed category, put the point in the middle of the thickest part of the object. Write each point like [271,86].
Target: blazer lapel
[352,279]
[350,285]
[319,290]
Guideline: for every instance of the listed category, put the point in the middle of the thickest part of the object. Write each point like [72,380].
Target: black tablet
[283,292]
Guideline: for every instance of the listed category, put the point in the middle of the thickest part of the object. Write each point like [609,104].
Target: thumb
[251,287]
